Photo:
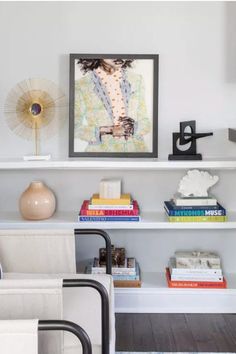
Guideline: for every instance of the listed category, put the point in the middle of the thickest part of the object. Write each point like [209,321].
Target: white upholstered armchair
[30,256]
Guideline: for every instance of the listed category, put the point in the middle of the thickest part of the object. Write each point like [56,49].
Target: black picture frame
[153,151]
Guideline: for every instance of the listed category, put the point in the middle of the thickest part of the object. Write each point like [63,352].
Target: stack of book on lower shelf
[125,270]
[194,209]
[195,270]
[109,205]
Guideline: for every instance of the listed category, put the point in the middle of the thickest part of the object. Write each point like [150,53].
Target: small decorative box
[110,189]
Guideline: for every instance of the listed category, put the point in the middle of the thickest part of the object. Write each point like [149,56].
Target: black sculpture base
[184,137]
[185,157]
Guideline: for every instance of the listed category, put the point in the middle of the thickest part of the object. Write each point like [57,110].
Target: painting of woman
[110,113]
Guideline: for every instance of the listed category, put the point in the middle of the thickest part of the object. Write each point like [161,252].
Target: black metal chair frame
[71,283]
[105,318]
[60,325]
[107,239]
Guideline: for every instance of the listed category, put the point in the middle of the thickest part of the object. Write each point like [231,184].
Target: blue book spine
[194,211]
[171,205]
[108,218]
[128,277]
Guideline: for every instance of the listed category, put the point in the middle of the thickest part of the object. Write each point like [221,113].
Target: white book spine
[115,272]
[181,271]
[128,269]
[194,202]
[197,278]
[110,207]
[193,271]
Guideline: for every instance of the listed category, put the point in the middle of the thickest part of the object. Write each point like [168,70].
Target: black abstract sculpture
[185,137]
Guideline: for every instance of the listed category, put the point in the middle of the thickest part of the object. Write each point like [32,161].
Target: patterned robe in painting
[93,109]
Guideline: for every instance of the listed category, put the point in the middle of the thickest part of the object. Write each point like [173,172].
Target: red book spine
[84,211]
[194,284]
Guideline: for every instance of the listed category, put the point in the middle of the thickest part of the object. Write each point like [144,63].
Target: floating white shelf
[149,220]
[155,296]
[118,164]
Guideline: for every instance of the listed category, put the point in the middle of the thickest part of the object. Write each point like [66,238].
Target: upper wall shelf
[137,164]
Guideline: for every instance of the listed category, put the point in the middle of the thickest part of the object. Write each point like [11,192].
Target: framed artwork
[113,105]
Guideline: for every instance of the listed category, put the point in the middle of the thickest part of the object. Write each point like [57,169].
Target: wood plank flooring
[176,332]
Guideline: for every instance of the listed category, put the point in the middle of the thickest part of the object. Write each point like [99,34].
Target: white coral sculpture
[196,183]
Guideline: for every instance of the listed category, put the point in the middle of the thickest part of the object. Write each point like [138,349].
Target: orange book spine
[194,284]
[127,283]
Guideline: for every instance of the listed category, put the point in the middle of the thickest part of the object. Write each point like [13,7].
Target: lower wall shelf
[155,296]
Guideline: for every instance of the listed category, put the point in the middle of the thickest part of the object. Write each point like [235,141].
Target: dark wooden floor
[176,332]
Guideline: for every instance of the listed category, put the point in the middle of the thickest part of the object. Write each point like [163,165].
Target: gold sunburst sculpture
[35,109]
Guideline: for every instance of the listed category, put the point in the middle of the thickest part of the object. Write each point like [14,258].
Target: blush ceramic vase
[37,202]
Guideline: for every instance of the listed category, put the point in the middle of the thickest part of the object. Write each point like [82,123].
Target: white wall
[195,40]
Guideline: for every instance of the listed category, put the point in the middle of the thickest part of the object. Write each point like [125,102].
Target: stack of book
[125,276]
[125,270]
[194,209]
[109,209]
[195,270]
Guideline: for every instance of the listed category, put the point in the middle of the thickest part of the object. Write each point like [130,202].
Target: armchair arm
[79,332]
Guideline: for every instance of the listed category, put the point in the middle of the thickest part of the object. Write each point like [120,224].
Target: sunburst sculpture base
[37,157]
